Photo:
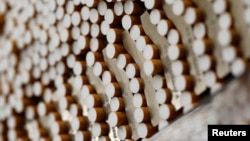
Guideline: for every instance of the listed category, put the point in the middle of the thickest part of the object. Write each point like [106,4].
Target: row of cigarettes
[202,45]
[229,38]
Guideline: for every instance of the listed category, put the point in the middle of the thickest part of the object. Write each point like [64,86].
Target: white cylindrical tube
[124,132]
[117,119]
[117,104]
[176,52]
[132,70]
[141,115]
[139,100]
[113,89]
[159,82]
[136,85]
[163,95]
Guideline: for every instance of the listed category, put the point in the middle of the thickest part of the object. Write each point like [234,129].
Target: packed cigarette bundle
[111,70]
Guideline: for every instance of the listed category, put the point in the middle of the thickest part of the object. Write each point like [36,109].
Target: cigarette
[86,90]
[93,100]
[146,130]
[84,43]
[38,88]
[61,69]
[164,26]
[92,3]
[96,115]
[151,51]
[206,62]
[133,8]
[111,18]
[66,21]
[199,30]
[202,46]
[15,122]
[136,31]
[65,89]
[159,82]
[79,80]
[79,67]
[180,6]
[59,12]
[54,116]
[184,82]
[113,50]
[167,111]
[173,37]
[64,102]
[94,16]
[136,85]
[114,35]
[152,4]
[156,15]
[163,96]
[139,100]
[124,132]
[179,67]
[117,104]
[128,21]
[118,8]
[76,109]
[105,27]
[93,57]
[75,32]
[13,134]
[76,18]
[69,7]
[108,77]
[153,67]
[99,68]
[230,53]
[85,28]
[79,123]
[117,119]
[70,61]
[142,41]
[210,78]
[96,44]
[85,13]
[95,30]
[65,36]
[176,52]
[132,70]
[193,15]
[36,72]
[59,127]
[45,108]
[82,135]
[227,36]
[225,20]
[238,67]
[123,60]
[188,98]
[100,129]
[220,6]
[103,7]
[45,79]
[31,113]
[113,89]
[141,115]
